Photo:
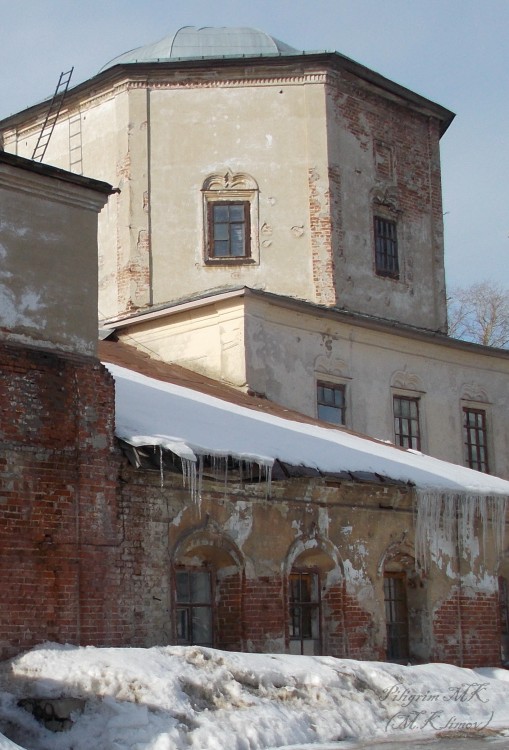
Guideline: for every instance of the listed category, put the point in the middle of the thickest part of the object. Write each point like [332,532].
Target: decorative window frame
[408,385]
[230,187]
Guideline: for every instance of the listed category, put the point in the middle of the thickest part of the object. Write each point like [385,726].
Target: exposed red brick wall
[333,622]
[322,228]
[58,526]
[264,612]
[466,630]
[229,613]
[359,630]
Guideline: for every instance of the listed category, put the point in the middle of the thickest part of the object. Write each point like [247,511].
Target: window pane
[237,240]
[229,230]
[331,402]
[221,214]
[220,231]
[475,431]
[183,632]
[304,612]
[202,625]
[200,587]
[386,248]
[237,213]
[182,582]
[221,249]
[406,422]
[396,616]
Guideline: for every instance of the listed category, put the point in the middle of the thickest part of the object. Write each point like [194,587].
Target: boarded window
[475,439]
[407,431]
[331,402]
[193,607]
[386,248]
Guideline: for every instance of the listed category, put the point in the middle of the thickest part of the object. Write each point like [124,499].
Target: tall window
[396,616]
[304,615]
[193,606]
[406,422]
[228,230]
[475,439]
[331,402]
[386,248]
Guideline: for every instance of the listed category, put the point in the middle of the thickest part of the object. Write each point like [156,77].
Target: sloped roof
[176,410]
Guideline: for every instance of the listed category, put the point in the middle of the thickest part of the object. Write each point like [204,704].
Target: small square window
[475,439]
[407,431]
[331,402]
[386,248]
[228,230]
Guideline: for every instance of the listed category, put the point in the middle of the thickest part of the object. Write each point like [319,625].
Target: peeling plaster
[240,522]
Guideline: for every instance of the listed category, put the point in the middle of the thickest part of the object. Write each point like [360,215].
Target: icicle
[189,476]
[452,518]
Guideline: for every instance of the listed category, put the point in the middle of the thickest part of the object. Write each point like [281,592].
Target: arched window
[207,591]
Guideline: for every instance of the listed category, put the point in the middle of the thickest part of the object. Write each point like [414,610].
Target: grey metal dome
[192,43]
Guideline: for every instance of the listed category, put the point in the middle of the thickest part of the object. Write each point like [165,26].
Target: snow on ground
[171,698]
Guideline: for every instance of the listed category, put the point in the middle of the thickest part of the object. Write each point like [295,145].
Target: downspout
[77,507]
[460,588]
[149,202]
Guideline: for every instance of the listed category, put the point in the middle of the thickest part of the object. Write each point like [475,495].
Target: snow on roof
[190,423]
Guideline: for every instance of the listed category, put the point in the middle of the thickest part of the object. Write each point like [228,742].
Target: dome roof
[192,43]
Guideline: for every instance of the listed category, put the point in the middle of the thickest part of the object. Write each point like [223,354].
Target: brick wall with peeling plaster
[250,542]
[89,545]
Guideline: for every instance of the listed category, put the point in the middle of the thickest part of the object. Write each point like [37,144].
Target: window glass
[475,439]
[193,607]
[331,402]
[396,616]
[229,233]
[386,248]
[406,422]
[200,586]
[304,613]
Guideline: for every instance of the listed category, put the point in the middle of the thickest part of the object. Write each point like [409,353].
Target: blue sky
[455,52]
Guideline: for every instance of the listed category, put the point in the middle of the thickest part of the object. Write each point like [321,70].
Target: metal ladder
[75,144]
[52,115]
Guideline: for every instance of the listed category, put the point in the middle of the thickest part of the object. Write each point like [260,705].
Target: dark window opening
[228,230]
[504,617]
[386,248]
[331,402]
[406,422]
[193,607]
[304,613]
[475,439]
[396,616]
